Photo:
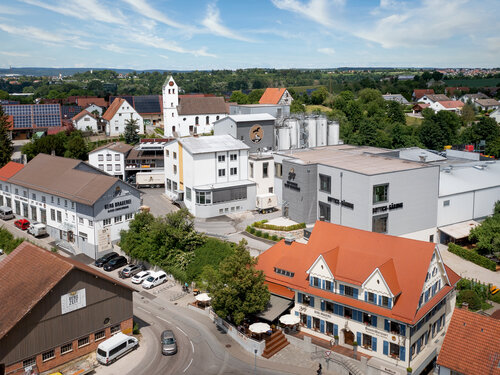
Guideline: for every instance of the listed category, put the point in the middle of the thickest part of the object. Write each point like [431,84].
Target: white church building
[185,115]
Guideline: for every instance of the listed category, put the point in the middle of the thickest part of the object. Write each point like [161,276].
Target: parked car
[115,263]
[141,276]
[117,346]
[168,343]
[6,213]
[37,229]
[132,269]
[22,224]
[105,259]
[155,279]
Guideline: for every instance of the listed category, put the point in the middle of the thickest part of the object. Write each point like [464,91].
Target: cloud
[327,51]
[143,8]
[4,9]
[14,54]
[82,9]
[115,48]
[315,10]
[213,23]
[160,43]
[164,56]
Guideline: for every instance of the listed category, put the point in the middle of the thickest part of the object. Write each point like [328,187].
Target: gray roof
[202,106]
[213,143]
[419,154]
[252,117]
[469,178]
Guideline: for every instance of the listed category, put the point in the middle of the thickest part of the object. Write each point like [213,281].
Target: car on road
[22,224]
[155,279]
[132,269]
[117,346]
[115,263]
[140,277]
[37,229]
[168,343]
[105,259]
[6,213]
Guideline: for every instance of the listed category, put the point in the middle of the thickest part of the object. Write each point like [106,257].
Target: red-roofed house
[448,105]
[9,170]
[117,115]
[391,295]
[471,345]
[276,96]
[85,121]
[418,93]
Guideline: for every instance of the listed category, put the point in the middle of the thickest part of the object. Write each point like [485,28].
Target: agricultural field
[476,82]
[322,108]
[413,121]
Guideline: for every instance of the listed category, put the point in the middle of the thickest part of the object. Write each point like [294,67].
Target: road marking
[182,331]
[191,361]
[165,320]
[140,308]
[192,346]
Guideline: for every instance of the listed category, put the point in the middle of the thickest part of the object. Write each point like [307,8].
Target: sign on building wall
[73,301]
[104,239]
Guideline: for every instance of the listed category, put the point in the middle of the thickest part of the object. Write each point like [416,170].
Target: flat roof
[252,117]
[361,159]
[214,143]
[470,177]
[459,230]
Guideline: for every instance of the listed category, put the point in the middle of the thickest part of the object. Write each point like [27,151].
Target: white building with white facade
[261,171]
[111,158]
[85,121]
[83,208]
[117,116]
[185,115]
[209,175]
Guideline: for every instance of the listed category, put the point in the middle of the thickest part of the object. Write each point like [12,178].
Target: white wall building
[84,209]
[261,171]
[185,115]
[448,105]
[111,158]
[85,121]
[117,115]
[209,175]
[94,107]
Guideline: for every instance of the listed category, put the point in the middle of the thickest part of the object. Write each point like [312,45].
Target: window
[99,335]
[118,219]
[306,300]
[446,203]
[109,157]
[174,186]
[379,223]
[348,291]
[233,171]
[106,222]
[251,169]
[316,323]
[117,157]
[371,297]
[328,285]
[83,341]
[207,120]
[17,191]
[271,190]
[129,216]
[80,220]
[385,301]
[67,348]
[204,197]
[109,167]
[324,211]
[117,167]
[43,199]
[217,117]
[188,194]
[367,319]
[316,282]
[325,183]
[395,327]
[59,217]
[52,214]
[278,170]
[25,194]
[48,355]
[167,153]
[265,169]
[197,120]
[233,157]
[115,329]
[91,223]
[380,193]
[221,158]
[33,196]
[347,312]
[394,352]
[329,306]
[65,203]
[367,341]
[169,184]
[52,199]
[175,155]
[58,201]
[100,157]
[101,166]
[175,169]
[222,172]
[29,362]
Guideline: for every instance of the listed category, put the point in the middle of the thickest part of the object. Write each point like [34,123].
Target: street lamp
[255,365]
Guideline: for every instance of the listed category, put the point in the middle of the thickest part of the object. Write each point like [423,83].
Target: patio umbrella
[259,327]
[203,297]
[289,319]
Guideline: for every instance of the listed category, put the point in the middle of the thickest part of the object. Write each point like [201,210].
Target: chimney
[465,306]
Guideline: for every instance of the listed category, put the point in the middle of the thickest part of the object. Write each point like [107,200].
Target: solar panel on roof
[27,116]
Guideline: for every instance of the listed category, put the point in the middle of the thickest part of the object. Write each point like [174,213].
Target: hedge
[472,256]
[262,225]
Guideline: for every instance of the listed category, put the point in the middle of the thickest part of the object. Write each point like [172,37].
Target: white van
[6,213]
[113,348]
[37,229]
[155,279]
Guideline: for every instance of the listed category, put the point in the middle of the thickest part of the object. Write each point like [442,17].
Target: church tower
[170,102]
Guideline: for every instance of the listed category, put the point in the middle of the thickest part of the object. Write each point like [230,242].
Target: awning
[277,306]
[459,230]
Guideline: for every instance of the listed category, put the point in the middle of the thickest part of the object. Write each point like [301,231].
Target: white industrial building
[84,208]
[110,158]
[209,175]
[117,115]
[306,132]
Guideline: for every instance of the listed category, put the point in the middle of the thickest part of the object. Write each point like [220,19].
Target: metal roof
[252,117]
[214,143]
[460,179]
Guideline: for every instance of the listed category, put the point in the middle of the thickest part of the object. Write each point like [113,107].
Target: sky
[232,34]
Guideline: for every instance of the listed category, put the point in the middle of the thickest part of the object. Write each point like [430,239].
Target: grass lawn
[413,121]
[301,89]
[322,108]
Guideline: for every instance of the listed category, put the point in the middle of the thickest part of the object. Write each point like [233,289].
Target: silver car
[168,343]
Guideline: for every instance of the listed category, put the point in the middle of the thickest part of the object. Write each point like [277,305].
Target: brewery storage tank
[311,131]
[333,133]
[283,138]
[321,131]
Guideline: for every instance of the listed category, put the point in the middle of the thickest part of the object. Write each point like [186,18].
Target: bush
[262,225]
[265,235]
[252,230]
[136,329]
[471,298]
[212,252]
[472,256]
[274,237]
[258,233]
[7,241]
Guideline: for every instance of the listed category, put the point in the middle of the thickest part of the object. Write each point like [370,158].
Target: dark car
[105,259]
[132,269]
[115,263]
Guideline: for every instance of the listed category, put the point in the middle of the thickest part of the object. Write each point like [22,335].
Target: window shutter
[355,293]
[341,310]
[390,303]
[402,353]
[403,330]
[374,320]
[308,321]
[386,347]
[322,305]
[311,302]
[374,344]
[387,326]
[323,284]
[296,313]
[336,309]
[332,287]
[335,330]
[310,281]
[322,326]
[299,297]
[379,300]
[358,338]
[341,287]
[359,316]
[366,296]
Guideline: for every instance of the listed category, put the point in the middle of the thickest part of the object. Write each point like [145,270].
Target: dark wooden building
[54,309]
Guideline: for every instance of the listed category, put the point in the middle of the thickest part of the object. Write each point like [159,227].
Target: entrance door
[348,337]
[285,211]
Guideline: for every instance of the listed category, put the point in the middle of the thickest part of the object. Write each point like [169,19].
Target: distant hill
[35,71]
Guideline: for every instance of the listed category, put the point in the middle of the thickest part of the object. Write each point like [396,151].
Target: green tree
[254,96]
[493,147]
[487,235]
[370,95]
[76,147]
[486,129]
[318,96]
[395,112]
[468,113]
[297,106]
[6,146]
[131,132]
[239,97]
[236,287]
[354,112]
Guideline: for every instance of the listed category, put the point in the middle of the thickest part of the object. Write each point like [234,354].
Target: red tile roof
[418,93]
[81,114]
[451,104]
[113,108]
[10,121]
[352,256]
[472,344]
[280,290]
[452,90]
[27,275]
[272,96]
[87,101]
[9,170]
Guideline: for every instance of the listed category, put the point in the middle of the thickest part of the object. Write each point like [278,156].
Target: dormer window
[371,297]
[328,285]
[284,272]
[316,282]
[385,301]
